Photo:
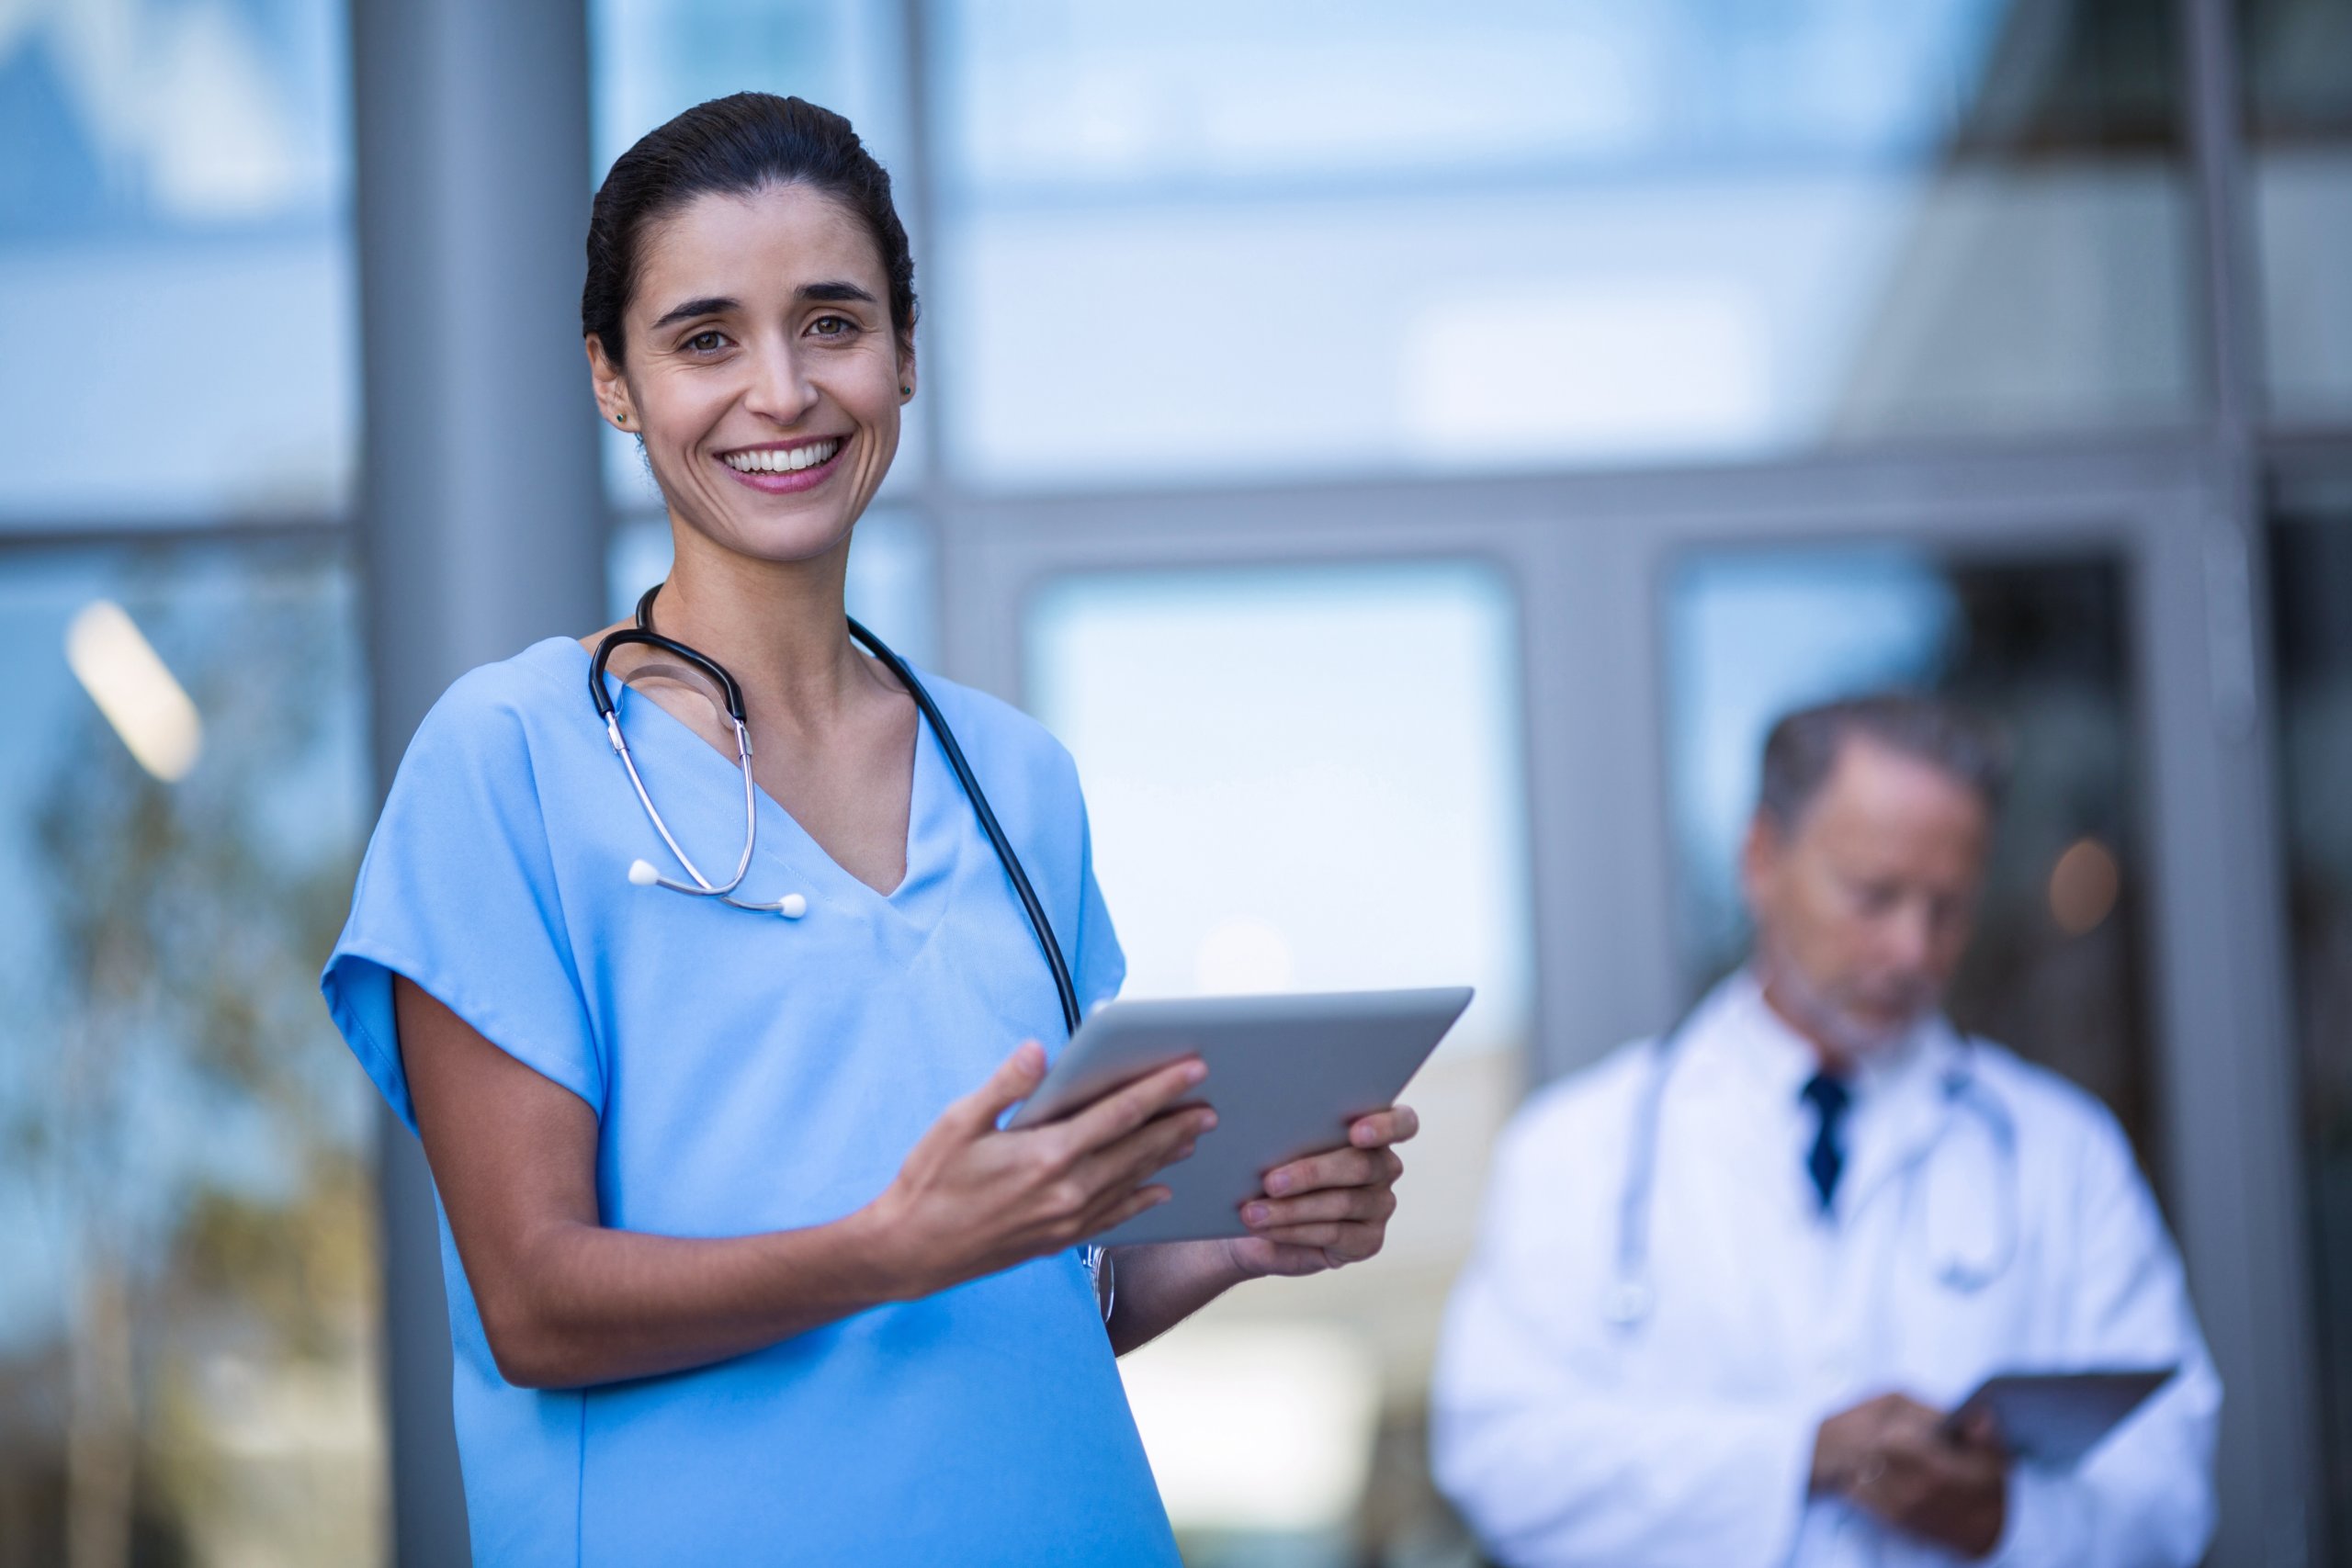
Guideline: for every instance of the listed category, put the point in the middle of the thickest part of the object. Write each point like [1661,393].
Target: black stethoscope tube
[1039,925]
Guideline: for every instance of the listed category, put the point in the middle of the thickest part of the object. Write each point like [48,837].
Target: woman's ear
[906,373]
[611,386]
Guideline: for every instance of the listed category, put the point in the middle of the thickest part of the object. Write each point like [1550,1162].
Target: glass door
[2130,938]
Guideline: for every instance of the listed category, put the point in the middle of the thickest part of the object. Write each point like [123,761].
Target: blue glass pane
[188,1305]
[1227,240]
[2298,58]
[175,287]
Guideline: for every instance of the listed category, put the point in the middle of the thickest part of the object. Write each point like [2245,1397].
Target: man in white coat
[1729,1285]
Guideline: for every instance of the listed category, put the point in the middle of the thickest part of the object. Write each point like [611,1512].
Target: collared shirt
[1565,1437]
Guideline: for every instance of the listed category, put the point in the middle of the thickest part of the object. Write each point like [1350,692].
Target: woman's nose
[780,388]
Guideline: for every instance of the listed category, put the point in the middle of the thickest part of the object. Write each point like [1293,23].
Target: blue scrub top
[751,1072]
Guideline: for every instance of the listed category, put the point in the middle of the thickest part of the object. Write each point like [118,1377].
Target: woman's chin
[781,541]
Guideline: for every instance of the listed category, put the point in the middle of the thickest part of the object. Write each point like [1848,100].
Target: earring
[621,418]
[906,391]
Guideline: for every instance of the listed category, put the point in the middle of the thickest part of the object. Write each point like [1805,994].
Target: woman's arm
[1324,1211]
[566,1302]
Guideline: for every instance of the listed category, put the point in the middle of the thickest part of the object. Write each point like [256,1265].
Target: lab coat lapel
[1900,1118]
[1736,1094]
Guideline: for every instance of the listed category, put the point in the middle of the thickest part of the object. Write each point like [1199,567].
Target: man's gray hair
[1803,747]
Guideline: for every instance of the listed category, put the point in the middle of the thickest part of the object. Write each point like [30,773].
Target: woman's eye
[833,326]
[705,342]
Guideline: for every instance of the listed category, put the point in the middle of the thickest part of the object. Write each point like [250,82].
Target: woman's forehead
[749,246]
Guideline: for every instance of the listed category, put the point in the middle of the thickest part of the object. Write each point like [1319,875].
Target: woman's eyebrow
[711,305]
[834,293]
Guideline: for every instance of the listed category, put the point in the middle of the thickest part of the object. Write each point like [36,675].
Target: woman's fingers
[1341,1168]
[1382,1128]
[1014,1080]
[1119,1208]
[1121,1113]
[1341,1241]
[1357,1203]
[1157,1143]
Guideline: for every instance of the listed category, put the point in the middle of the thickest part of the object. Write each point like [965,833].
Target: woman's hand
[971,1199]
[1328,1210]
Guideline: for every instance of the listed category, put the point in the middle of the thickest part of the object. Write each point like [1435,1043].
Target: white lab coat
[1566,1438]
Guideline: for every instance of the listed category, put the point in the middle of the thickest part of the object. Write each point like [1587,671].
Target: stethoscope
[1632,1298]
[793,905]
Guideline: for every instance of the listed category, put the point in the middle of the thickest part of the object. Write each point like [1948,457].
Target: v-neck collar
[806,859]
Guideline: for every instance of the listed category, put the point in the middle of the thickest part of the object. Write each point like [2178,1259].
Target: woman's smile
[784,467]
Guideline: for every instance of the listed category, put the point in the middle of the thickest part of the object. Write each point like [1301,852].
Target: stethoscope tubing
[1065,990]
[1630,1297]
[1040,926]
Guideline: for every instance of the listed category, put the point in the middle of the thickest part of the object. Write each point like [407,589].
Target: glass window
[2057,970]
[2310,568]
[176,284]
[2298,59]
[1309,779]
[188,1305]
[1227,239]
[652,59]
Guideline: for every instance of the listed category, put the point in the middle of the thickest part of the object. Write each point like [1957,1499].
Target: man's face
[1864,904]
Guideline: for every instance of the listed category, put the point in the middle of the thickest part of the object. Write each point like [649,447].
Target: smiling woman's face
[762,370]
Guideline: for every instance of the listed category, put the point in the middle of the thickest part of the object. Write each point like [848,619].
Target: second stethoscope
[793,905]
[1632,1297]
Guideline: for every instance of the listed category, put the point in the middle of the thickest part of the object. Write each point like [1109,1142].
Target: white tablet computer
[1287,1074]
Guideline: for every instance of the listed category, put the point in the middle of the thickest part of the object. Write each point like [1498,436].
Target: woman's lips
[784,482]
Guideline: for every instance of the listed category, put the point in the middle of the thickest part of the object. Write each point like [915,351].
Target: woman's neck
[779,626]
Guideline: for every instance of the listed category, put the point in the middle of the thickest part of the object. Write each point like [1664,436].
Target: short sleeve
[1102,965]
[457,892]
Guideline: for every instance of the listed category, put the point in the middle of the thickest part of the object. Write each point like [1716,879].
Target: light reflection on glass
[187,1315]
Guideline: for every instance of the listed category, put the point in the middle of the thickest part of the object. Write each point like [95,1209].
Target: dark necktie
[1830,1098]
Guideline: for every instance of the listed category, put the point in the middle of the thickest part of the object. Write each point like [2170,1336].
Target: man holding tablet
[1748,1293]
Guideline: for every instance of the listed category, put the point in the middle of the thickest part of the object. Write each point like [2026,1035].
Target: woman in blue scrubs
[740,1268]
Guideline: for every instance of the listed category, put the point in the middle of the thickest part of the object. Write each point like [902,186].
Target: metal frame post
[482,503]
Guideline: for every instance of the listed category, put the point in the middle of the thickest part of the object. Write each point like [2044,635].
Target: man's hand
[1891,1456]
[1330,1210]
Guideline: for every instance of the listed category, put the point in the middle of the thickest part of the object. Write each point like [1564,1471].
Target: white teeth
[773,460]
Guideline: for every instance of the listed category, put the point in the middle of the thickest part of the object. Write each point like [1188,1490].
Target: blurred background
[1408,452]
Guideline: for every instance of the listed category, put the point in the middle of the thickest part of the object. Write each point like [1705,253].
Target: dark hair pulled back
[732,146]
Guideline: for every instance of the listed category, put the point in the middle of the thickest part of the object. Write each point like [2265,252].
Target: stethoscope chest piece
[1628,1303]
[792,906]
